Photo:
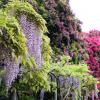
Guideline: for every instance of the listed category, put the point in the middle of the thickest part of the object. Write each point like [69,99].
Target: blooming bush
[92,46]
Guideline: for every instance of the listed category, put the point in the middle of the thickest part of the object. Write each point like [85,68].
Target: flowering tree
[61,23]
[92,46]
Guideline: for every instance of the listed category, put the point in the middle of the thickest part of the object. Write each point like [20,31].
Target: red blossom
[92,46]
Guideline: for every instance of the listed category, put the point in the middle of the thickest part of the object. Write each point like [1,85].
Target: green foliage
[34,79]
[60,68]
[46,49]
[10,32]
[79,72]
[88,82]
[29,62]
[26,8]
[11,36]
[63,67]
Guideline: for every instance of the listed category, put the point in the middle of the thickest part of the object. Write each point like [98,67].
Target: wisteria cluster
[69,81]
[34,38]
[17,44]
[9,64]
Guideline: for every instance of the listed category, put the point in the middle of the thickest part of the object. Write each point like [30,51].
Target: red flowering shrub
[92,46]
